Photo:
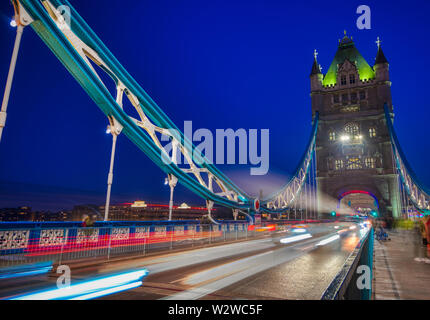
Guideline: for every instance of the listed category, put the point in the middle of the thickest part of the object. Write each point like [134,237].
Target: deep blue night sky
[221,64]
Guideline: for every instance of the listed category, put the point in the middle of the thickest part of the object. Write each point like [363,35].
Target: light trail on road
[263,268]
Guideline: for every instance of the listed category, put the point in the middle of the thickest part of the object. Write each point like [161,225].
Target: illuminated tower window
[332,136]
[353,163]
[352,129]
[370,162]
[372,132]
[338,164]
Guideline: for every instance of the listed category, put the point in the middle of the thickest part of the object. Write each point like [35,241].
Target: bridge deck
[260,268]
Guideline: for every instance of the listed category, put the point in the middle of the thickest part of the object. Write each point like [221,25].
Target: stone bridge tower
[353,148]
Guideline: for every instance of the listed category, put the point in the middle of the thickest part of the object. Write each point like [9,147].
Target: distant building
[79,211]
[16,214]
[51,216]
[136,211]
[26,214]
[140,210]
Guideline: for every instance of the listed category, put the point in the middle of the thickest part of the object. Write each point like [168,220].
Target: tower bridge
[353,143]
[352,156]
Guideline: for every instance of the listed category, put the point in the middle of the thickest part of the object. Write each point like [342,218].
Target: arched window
[332,135]
[370,162]
[352,128]
[372,132]
[338,164]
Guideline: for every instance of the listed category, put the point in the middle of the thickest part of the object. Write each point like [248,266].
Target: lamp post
[171,180]
[115,129]
[19,30]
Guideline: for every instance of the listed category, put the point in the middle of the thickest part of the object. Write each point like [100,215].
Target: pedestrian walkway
[401,269]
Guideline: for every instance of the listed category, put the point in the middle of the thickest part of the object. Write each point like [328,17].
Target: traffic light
[333,213]
[374,213]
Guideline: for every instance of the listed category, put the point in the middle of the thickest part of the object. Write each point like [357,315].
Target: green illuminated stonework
[347,51]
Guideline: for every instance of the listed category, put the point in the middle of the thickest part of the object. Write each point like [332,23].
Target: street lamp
[171,180]
[115,129]
[8,87]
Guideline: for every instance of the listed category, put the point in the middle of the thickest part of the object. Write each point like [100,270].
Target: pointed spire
[378,42]
[315,66]
[347,51]
[380,57]
[346,41]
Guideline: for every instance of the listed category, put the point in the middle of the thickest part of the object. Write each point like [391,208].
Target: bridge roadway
[255,269]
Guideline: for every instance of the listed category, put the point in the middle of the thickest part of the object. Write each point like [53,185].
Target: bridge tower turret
[381,66]
[316,75]
[353,148]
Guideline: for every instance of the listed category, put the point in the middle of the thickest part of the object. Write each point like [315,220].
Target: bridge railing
[354,280]
[58,243]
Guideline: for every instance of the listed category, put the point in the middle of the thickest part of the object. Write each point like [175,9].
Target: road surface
[267,268]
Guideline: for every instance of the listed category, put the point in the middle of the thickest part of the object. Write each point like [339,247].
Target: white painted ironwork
[204,177]
[290,193]
[14,239]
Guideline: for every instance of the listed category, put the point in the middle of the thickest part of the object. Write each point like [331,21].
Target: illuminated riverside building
[141,211]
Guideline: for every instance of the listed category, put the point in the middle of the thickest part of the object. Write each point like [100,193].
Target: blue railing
[354,280]
[29,242]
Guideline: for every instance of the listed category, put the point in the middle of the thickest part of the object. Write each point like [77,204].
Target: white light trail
[328,240]
[106,292]
[89,288]
[295,238]
[299,230]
